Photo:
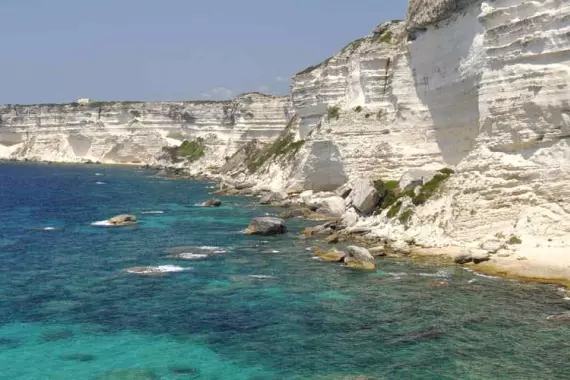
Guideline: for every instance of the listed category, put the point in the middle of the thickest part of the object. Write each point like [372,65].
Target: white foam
[260,276]
[191,256]
[440,273]
[274,251]
[157,269]
[152,212]
[48,228]
[102,223]
[100,183]
[98,174]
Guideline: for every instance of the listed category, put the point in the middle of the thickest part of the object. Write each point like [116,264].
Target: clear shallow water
[67,311]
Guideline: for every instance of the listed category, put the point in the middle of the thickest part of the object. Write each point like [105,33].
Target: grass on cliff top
[189,150]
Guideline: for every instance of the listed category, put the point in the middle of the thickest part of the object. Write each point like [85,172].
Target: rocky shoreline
[345,221]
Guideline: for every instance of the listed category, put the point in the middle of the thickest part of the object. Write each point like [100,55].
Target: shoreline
[526,264]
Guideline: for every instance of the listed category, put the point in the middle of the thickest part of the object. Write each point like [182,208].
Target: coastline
[525,264]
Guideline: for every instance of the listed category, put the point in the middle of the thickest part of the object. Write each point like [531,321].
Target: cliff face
[479,86]
[136,132]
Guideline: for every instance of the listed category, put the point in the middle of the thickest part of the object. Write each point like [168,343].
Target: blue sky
[59,50]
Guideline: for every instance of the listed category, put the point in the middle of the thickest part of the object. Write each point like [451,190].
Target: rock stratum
[481,87]
[137,132]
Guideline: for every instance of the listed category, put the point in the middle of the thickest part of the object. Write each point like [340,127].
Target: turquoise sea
[257,308]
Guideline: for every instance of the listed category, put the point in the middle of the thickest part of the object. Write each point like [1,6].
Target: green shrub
[514,240]
[358,109]
[386,37]
[405,216]
[367,116]
[394,210]
[285,144]
[333,113]
[189,150]
[431,187]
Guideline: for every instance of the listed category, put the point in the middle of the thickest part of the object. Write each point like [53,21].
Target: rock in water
[479,255]
[359,258]
[463,258]
[214,202]
[332,255]
[123,220]
[266,226]
[364,196]
[272,198]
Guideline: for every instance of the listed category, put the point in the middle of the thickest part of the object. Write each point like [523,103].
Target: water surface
[68,311]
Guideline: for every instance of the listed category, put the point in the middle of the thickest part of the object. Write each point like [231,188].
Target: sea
[218,305]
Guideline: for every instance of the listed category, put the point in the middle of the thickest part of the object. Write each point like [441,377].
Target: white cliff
[481,87]
[478,86]
[136,132]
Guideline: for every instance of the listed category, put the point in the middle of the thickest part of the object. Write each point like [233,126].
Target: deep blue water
[68,311]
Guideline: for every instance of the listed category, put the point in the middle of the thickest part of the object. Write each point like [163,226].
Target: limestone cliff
[478,86]
[136,132]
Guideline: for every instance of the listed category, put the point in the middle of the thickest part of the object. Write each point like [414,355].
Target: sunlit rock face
[481,86]
[136,132]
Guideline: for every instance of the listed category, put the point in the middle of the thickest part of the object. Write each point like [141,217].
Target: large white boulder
[364,196]
[331,206]
[413,178]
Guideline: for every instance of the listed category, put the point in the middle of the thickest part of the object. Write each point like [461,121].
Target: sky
[60,50]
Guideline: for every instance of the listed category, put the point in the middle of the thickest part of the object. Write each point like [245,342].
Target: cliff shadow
[446,63]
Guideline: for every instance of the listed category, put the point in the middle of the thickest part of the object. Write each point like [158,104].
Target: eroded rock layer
[136,132]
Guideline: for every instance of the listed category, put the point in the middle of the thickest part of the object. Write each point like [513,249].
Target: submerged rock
[214,202]
[129,374]
[266,226]
[359,258]
[123,220]
[565,317]
[78,357]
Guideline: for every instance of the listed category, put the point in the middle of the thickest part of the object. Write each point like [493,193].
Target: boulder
[378,251]
[332,255]
[214,202]
[505,253]
[463,258]
[479,255]
[364,196]
[414,178]
[331,206]
[401,246]
[123,220]
[272,198]
[492,246]
[295,213]
[343,191]
[316,230]
[332,239]
[359,258]
[266,226]
[244,185]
